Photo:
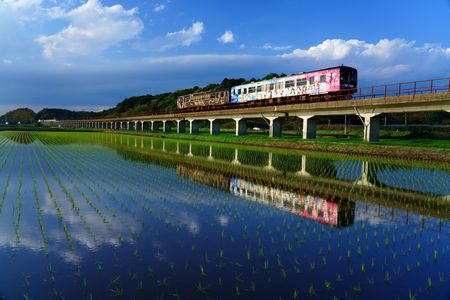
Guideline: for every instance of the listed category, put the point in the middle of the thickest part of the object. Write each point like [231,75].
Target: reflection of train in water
[302,87]
[340,213]
[336,213]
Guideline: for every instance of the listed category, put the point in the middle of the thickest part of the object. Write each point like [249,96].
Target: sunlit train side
[331,81]
[312,83]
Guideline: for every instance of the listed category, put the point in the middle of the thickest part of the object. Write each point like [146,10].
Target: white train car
[325,81]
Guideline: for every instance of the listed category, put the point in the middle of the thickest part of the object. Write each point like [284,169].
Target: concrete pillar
[309,127]
[274,126]
[181,126]
[193,126]
[151,125]
[364,175]
[135,125]
[210,156]
[236,157]
[214,126]
[167,126]
[241,126]
[269,162]
[371,127]
[303,171]
[142,125]
[112,123]
[128,125]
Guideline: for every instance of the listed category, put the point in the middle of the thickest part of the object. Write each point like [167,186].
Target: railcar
[207,98]
[325,81]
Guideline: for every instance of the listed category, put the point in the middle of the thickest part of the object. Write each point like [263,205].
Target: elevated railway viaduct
[369,103]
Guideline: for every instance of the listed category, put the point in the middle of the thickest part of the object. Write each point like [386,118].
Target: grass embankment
[419,148]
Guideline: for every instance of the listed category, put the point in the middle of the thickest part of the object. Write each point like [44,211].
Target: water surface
[99,216]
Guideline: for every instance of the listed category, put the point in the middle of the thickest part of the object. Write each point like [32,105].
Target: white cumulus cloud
[21,4]
[93,28]
[159,7]
[183,38]
[227,37]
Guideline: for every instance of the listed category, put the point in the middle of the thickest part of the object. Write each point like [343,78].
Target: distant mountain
[63,114]
[19,116]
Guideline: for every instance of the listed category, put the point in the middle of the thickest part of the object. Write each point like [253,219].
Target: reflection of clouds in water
[223,220]
[99,235]
[190,221]
[371,219]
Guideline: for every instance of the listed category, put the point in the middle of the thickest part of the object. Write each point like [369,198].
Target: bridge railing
[413,88]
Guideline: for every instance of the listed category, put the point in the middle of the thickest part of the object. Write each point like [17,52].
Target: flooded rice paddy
[99,216]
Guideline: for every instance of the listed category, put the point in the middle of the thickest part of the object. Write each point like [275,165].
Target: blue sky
[91,54]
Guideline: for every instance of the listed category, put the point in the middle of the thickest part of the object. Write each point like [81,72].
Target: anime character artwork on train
[326,81]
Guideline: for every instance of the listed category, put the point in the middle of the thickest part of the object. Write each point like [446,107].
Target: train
[307,86]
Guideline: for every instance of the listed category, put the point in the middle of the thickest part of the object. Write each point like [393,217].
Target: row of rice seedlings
[64,163]
[105,172]
[38,205]
[72,201]
[19,197]
[116,176]
[8,177]
[53,197]
[84,195]
[81,166]
[124,222]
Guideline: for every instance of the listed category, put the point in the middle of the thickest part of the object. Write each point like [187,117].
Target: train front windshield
[349,77]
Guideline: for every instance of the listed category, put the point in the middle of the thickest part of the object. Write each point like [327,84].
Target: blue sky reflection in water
[113,216]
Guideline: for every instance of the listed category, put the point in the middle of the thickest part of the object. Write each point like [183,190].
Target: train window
[271,86]
[245,91]
[311,80]
[289,83]
[322,78]
[239,91]
[251,89]
[279,85]
[259,88]
[301,82]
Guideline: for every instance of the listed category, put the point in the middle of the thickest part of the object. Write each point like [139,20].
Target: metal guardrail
[413,88]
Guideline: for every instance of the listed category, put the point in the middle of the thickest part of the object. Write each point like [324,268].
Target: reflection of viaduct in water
[302,175]
[362,179]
